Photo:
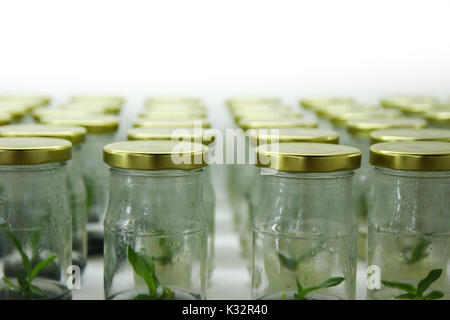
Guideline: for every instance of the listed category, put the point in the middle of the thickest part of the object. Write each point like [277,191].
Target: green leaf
[332,282]
[24,285]
[145,268]
[434,295]
[144,297]
[406,296]
[16,242]
[400,285]
[167,294]
[287,262]
[10,284]
[40,266]
[419,252]
[425,283]
[36,290]
[283,295]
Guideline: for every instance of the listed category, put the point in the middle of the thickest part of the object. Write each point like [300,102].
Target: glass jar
[155,227]
[76,190]
[205,137]
[439,119]
[35,218]
[242,171]
[409,224]
[100,131]
[359,137]
[301,250]
[264,136]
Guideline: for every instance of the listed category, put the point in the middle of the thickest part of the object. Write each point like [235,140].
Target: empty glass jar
[35,218]
[304,233]
[155,227]
[100,131]
[76,190]
[409,224]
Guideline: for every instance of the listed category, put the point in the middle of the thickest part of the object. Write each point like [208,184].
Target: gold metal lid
[94,124]
[340,119]
[416,109]
[38,113]
[176,108]
[75,135]
[429,134]
[242,101]
[235,110]
[32,101]
[98,98]
[201,136]
[363,128]
[328,110]
[308,157]
[172,123]
[155,155]
[193,114]
[401,101]
[438,117]
[97,107]
[264,136]
[315,102]
[5,118]
[16,110]
[177,100]
[247,124]
[411,155]
[30,150]
[238,116]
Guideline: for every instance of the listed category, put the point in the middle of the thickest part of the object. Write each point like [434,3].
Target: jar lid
[242,101]
[98,98]
[259,108]
[314,102]
[32,101]
[438,117]
[389,135]
[327,110]
[16,110]
[400,101]
[38,113]
[411,155]
[201,136]
[5,118]
[94,124]
[176,108]
[308,157]
[416,109]
[97,107]
[192,114]
[172,100]
[267,115]
[30,150]
[75,135]
[264,136]
[363,128]
[340,119]
[247,124]
[155,155]
[172,123]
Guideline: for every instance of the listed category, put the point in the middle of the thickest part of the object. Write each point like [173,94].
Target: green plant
[292,263]
[416,253]
[144,267]
[417,293]
[24,284]
[302,292]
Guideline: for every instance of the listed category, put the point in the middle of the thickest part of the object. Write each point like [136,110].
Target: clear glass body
[209,201]
[362,192]
[409,229]
[156,235]
[95,175]
[304,231]
[78,207]
[439,125]
[35,232]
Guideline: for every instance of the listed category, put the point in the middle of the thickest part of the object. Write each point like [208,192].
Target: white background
[215,49]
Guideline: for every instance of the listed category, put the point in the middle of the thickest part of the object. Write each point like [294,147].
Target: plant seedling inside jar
[302,292]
